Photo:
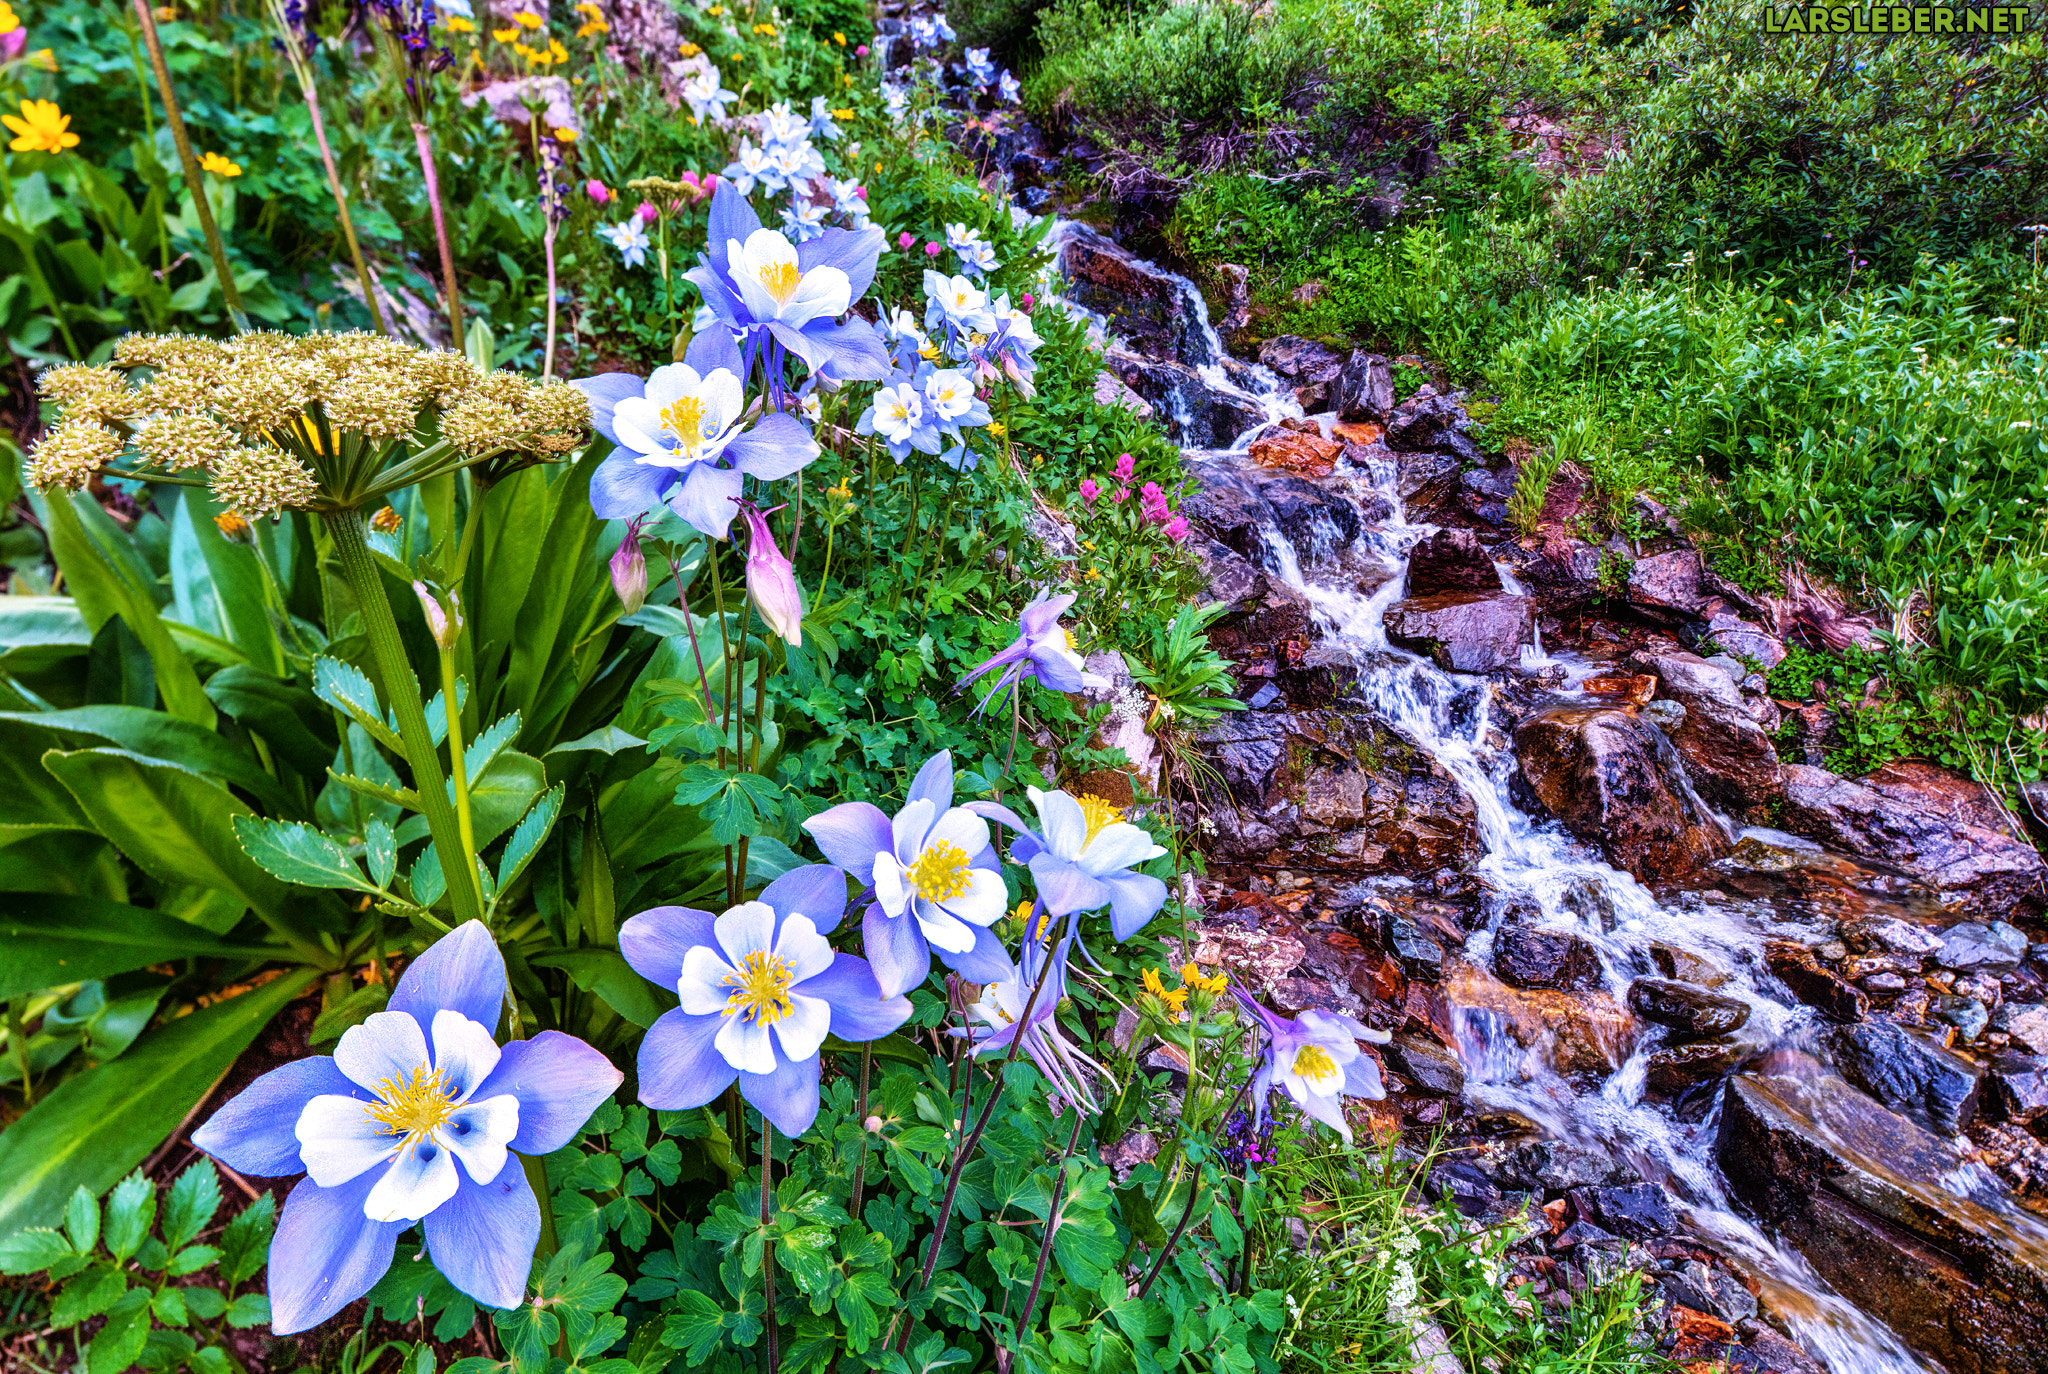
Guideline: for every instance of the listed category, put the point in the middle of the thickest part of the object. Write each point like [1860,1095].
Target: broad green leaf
[605,974]
[507,791]
[299,729]
[96,1126]
[234,576]
[52,940]
[119,1343]
[299,854]
[609,740]
[153,734]
[245,1243]
[36,802]
[38,632]
[32,1251]
[177,826]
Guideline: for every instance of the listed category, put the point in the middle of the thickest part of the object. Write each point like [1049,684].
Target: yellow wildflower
[8,23]
[218,165]
[386,521]
[594,26]
[42,128]
[455,23]
[1173,999]
[842,115]
[690,50]
[1192,975]
[716,11]
[505,35]
[166,13]
[43,59]
[995,427]
[527,19]
[565,135]
[231,526]
[840,39]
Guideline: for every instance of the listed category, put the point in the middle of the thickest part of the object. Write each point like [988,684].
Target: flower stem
[1194,1191]
[35,268]
[348,225]
[768,1245]
[401,689]
[230,295]
[547,241]
[425,140]
[1052,1216]
[458,756]
[17,1040]
[860,1172]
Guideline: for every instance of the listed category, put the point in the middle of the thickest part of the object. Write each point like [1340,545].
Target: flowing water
[1538,866]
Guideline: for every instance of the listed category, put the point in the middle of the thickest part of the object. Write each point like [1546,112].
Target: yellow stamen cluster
[67,460]
[386,521]
[760,989]
[411,1105]
[1098,813]
[780,279]
[684,420]
[232,527]
[1313,1062]
[940,873]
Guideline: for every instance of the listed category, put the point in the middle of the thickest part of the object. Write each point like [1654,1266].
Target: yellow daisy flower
[41,128]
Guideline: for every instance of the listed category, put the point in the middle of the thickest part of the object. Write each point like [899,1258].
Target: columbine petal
[860,1010]
[478,1134]
[788,1096]
[746,929]
[655,941]
[559,1082]
[890,889]
[934,782]
[1117,845]
[623,487]
[388,1046]
[418,1181]
[1064,888]
[815,890]
[326,1254]
[680,1065]
[461,971]
[1040,615]
[910,829]
[1134,899]
[985,963]
[706,499]
[984,901]
[1066,828]
[850,835]
[702,987]
[960,828]
[464,1053]
[340,1140]
[854,252]
[799,945]
[803,1030]
[255,1133]
[746,1044]
[896,949]
[773,449]
[483,1238]
[945,932]
[605,391]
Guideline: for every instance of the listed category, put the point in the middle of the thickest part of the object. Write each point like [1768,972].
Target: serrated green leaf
[486,747]
[380,848]
[119,1343]
[191,1260]
[426,881]
[347,689]
[169,1306]
[82,1221]
[32,1251]
[298,853]
[250,1309]
[190,1205]
[207,1304]
[529,835]
[130,1210]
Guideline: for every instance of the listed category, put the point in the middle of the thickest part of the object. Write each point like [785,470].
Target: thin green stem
[1052,1219]
[230,295]
[401,690]
[860,1110]
[458,757]
[768,1244]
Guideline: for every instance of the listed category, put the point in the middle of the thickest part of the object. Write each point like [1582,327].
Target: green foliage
[162,1298]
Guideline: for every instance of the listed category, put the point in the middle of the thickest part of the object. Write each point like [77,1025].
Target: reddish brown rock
[1309,455]
[1730,758]
[1667,582]
[1451,560]
[1610,778]
[1822,989]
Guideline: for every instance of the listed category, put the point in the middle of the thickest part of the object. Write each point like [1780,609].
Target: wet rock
[1197,414]
[1363,389]
[1973,947]
[1451,560]
[1530,958]
[1148,307]
[1973,870]
[1233,297]
[1693,1012]
[2016,1088]
[1420,422]
[1433,1070]
[1579,1032]
[1613,781]
[1419,953]
[1890,933]
[1737,636]
[1731,760]
[1464,633]
[1111,391]
[1556,1166]
[1230,577]
[1466,1185]
[1771,1353]
[1309,455]
[1865,1195]
[1667,582]
[1300,360]
[1686,967]
[1669,1072]
[1908,1073]
[1665,714]
[1822,989]
[1260,958]
[1426,479]
[1635,689]
[1706,1289]
[1636,1211]
[1932,788]
[1969,1016]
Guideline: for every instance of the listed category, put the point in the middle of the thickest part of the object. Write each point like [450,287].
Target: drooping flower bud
[629,573]
[771,582]
[445,625]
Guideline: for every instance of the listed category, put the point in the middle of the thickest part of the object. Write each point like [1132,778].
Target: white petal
[748,928]
[338,1139]
[910,827]
[962,829]
[745,1045]
[1066,828]
[801,947]
[889,889]
[803,1030]
[824,292]
[943,930]
[389,1045]
[702,985]
[1117,845]
[637,422]
[670,383]
[984,901]
[724,398]
[478,1133]
[419,1180]
[464,1053]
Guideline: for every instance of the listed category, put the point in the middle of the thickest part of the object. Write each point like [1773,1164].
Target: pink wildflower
[1089,491]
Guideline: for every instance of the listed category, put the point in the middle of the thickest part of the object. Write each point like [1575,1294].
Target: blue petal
[1056,672]
[656,941]
[462,971]
[605,391]
[1134,899]
[482,1239]
[706,499]
[710,281]
[788,1097]
[815,890]
[623,487]
[713,348]
[853,251]
[934,782]
[996,811]
[987,962]
[254,1133]
[559,1082]
[859,1010]
[774,448]
[896,950]
[731,218]
[1064,888]
[326,1253]
[680,1067]
[850,835]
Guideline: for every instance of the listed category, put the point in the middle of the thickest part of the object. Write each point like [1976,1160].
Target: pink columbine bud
[445,625]
[629,573]
[905,239]
[771,582]
[596,190]
[931,250]
[648,214]
[1089,491]
[1124,467]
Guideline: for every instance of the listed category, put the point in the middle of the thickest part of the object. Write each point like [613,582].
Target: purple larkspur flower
[1315,1060]
[760,990]
[414,1118]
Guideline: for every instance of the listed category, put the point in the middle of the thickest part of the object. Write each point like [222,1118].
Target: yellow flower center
[411,1105]
[781,278]
[988,1000]
[760,990]
[1098,813]
[684,419]
[940,873]
[1313,1062]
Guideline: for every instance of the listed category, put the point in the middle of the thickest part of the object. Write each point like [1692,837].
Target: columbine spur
[414,1118]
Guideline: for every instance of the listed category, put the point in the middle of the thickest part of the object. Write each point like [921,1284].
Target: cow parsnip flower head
[322,422]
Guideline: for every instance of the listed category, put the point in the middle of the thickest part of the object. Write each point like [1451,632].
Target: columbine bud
[444,625]
[771,582]
[629,573]
[873,1125]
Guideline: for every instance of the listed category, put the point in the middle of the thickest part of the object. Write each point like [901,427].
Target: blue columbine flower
[937,882]
[760,991]
[980,70]
[681,437]
[957,310]
[411,1120]
[1315,1060]
[823,125]
[899,415]
[1006,350]
[1084,857]
[996,1019]
[1043,649]
[782,297]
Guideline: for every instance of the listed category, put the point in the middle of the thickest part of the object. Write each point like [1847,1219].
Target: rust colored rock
[1971,869]
[1357,431]
[1692,1012]
[1933,788]
[1822,989]
[1451,561]
[1463,632]
[1530,958]
[1256,958]
[1309,455]
[1731,760]
[1638,689]
[1667,582]
[1611,778]
[1577,1032]
[1669,1072]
